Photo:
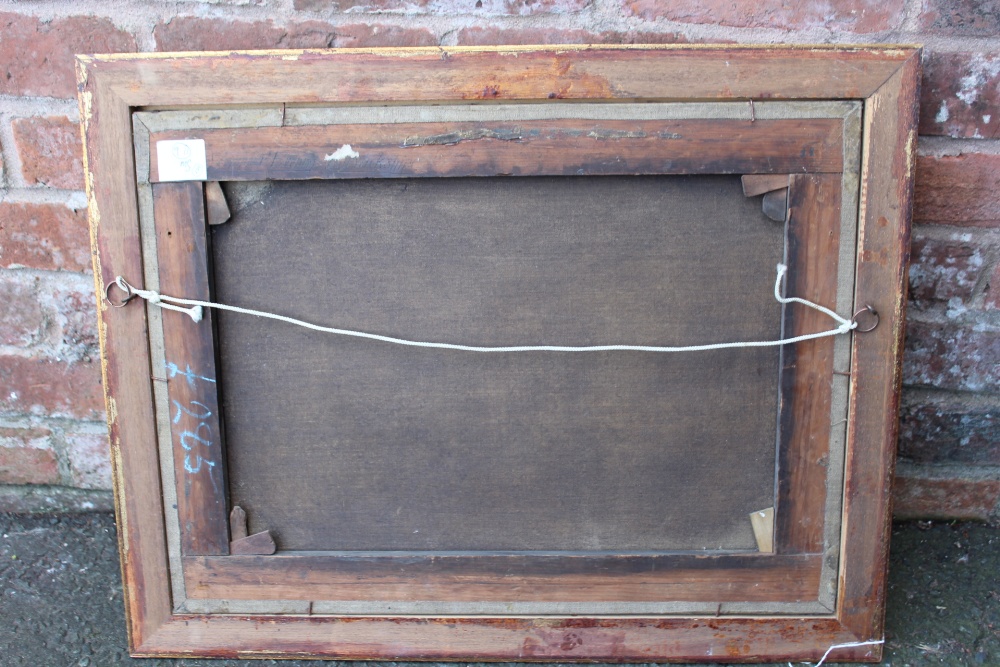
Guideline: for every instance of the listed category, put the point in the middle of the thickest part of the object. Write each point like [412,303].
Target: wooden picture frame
[825,134]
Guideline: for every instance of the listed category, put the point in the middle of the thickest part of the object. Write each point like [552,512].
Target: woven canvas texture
[343,444]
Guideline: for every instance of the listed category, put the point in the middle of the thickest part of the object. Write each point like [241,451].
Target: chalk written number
[201,436]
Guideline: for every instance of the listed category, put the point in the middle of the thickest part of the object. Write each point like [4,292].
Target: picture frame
[226,554]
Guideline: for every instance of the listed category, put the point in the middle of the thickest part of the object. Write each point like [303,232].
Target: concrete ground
[62,602]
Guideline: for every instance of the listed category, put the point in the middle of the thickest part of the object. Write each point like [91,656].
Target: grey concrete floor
[62,602]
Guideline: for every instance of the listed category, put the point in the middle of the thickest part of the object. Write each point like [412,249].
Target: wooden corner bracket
[774,187]
[241,544]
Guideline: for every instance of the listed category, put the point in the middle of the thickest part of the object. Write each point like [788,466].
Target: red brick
[919,497]
[201,34]
[949,356]
[949,431]
[486,36]
[943,269]
[89,460]
[58,312]
[37,57]
[187,33]
[960,95]
[76,319]
[24,465]
[43,236]
[51,151]
[958,190]
[992,295]
[22,321]
[364,35]
[53,388]
[26,457]
[965,18]
[860,16]
[447,7]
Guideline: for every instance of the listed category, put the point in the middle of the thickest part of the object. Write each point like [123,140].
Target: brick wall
[51,421]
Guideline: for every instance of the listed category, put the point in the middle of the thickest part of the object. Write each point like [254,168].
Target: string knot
[195,312]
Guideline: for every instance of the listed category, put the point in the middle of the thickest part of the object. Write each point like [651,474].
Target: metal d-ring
[867,309]
[127,289]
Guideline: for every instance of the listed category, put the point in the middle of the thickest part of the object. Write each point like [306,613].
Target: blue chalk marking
[188,436]
[190,375]
[181,409]
[202,434]
[192,468]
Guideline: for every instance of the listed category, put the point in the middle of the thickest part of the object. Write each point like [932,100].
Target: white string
[194,310]
[833,648]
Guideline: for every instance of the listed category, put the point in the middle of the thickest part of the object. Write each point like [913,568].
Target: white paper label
[181,160]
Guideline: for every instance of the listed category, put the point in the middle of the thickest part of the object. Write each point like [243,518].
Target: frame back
[336,497]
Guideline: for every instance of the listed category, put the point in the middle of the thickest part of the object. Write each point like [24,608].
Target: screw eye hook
[872,312]
[124,287]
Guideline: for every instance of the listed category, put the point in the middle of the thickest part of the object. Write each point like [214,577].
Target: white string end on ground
[874,642]
[194,308]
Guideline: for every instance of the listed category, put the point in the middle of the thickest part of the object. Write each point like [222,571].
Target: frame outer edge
[499,74]
[114,236]
[887,171]
[85,104]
